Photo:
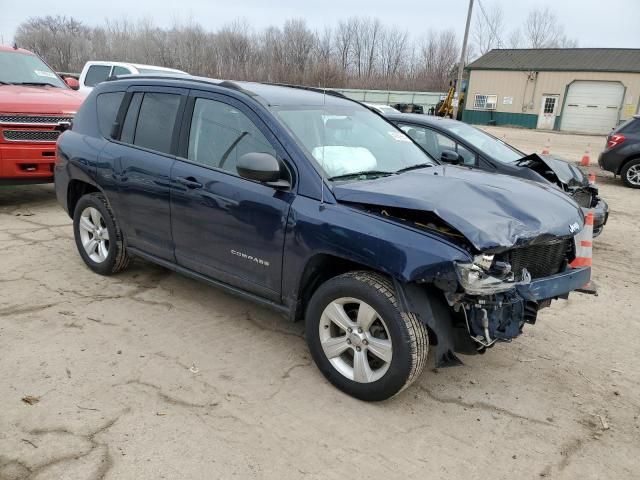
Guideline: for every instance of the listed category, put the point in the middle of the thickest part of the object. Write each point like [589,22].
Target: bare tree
[392,51]
[236,48]
[344,42]
[515,39]
[543,30]
[298,42]
[63,41]
[488,28]
[439,56]
[358,52]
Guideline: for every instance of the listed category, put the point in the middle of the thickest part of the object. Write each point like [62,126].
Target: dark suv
[452,141]
[313,205]
[621,156]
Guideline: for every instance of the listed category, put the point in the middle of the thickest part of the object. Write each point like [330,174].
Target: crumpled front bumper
[558,285]
[600,216]
[458,329]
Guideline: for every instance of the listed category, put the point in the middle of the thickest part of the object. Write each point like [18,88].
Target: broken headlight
[485,276]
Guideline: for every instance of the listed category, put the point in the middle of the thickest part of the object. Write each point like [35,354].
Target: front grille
[33,119]
[583,198]
[31,135]
[541,260]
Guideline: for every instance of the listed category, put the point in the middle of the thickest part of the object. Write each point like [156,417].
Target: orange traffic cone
[584,252]
[585,161]
[547,149]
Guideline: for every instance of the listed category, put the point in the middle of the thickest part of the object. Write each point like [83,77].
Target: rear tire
[360,339]
[97,235]
[630,173]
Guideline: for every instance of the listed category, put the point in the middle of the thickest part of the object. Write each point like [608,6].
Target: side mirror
[260,167]
[72,83]
[449,156]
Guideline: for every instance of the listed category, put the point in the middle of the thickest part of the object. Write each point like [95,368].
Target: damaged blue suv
[311,204]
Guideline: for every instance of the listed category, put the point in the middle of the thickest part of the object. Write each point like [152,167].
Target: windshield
[349,139]
[22,68]
[485,143]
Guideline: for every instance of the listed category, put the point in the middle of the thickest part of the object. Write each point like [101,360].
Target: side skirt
[283,309]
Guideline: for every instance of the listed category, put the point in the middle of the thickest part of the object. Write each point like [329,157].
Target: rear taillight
[615,140]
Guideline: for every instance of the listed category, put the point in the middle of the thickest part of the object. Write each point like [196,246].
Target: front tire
[630,173]
[97,235]
[360,339]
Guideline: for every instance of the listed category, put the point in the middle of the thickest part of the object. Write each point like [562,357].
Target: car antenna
[324,136]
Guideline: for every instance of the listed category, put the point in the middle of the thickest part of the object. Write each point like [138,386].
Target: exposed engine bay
[489,306]
[515,242]
[498,317]
[566,176]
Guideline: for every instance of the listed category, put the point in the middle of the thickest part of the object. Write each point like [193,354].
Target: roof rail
[333,93]
[187,78]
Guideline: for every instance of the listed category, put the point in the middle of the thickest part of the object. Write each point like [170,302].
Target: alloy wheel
[355,340]
[94,234]
[633,175]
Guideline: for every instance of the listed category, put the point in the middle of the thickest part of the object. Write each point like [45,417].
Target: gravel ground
[150,375]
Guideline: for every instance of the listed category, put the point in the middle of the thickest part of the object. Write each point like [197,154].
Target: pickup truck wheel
[360,339]
[631,173]
[98,238]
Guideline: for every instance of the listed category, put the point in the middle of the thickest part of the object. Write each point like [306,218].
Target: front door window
[220,134]
[434,143]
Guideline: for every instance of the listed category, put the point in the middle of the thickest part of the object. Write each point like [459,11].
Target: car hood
[494,212]
[39,100]
[565,172]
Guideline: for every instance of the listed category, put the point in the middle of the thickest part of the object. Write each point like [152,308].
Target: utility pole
[463,54]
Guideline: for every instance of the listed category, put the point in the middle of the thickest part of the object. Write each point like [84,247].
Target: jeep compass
[311,204]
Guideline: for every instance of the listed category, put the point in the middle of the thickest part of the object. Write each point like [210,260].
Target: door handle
[189,182]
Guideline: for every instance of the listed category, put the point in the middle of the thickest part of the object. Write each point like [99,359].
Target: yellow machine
[444,108]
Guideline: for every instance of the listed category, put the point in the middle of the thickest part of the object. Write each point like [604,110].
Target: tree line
[356,53]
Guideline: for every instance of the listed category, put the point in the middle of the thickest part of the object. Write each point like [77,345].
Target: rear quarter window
[97,74]
[107,106]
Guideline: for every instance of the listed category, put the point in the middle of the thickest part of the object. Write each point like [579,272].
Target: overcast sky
[593,23]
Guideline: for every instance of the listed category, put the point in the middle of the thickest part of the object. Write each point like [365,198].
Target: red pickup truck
[35,106]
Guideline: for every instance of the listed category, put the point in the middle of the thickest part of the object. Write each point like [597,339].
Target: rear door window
[107,107]
[97,74]
[156,120]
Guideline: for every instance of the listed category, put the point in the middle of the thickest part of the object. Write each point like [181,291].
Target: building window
[485,102]
[549,104]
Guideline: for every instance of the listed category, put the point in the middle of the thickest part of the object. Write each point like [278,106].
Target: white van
[95,72]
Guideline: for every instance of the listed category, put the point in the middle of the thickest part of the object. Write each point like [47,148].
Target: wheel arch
[630,158]
[76,190]
[318,269]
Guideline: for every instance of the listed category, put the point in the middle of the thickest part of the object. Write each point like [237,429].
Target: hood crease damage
[493,212]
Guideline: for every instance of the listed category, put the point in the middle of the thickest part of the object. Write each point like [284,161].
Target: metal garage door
[592,107]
